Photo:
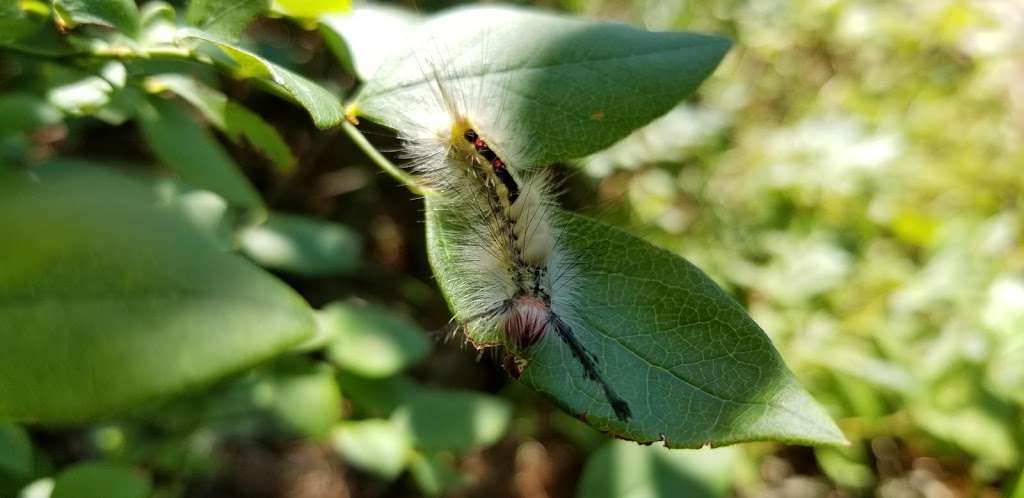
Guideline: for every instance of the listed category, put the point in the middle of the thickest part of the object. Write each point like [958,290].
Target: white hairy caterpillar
[521,284]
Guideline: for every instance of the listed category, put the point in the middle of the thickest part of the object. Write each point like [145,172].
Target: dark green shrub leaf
[15,452]
[235,120]
[323,107]
[692,365]
[124,301]
[224,18]
[121,15]
[184,146]
[625,470]
[101,480]
[372,341]
[550,87]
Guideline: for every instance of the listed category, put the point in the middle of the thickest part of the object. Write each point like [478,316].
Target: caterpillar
[510,240]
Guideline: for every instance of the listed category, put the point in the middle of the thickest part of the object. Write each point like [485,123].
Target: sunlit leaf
[302,245]
[224,18]
[364,38]
[542,87]
[372,341]
[122,15]
[622,469]
[310,8]
[322,105]
[445,419]
[374,445]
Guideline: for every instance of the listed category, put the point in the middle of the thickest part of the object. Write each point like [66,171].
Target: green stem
[409,181]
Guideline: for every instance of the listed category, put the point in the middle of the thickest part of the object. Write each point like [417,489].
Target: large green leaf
[106,300]
[322,105]
[184,146]
[541,87]
[101,479]
[626,470]
[693,366]
[122,15]
[224,18]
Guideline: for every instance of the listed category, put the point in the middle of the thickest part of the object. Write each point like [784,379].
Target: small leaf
[158,23]
[543,87]
[15,451]
[293,396]
[235,120]
[23,112]
[622,469]
[100,479]
[323,107]
[374,445]
[107,300]
[364,38]
[301,245]
[436,474]
[372,341]
[310,9]
[375,397]
[185,147]
[450,420]
[121,15]
[224,18]
[693,366]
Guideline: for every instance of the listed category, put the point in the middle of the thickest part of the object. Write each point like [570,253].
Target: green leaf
[23,112]
[301,245]
[374,445]
[100,479]
[372,341]
[107,301]
[436,474]
[121,15]
[364,38]
[224,18]
[542,87]
[693,366]
[26,26]
[185,147]
[625,470]
[15,451]
[323,107]
[294,396]
[235,120]
[450,420]
[310,9]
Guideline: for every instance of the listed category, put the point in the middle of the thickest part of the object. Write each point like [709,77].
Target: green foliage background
[852,173]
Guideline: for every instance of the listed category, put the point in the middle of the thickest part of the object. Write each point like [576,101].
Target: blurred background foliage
[853,173]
